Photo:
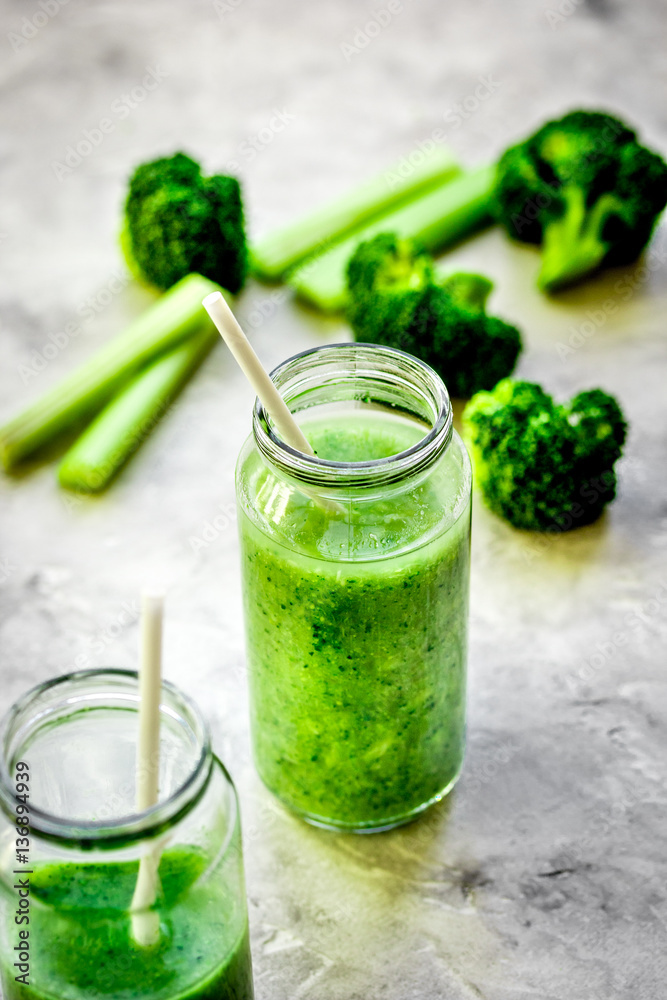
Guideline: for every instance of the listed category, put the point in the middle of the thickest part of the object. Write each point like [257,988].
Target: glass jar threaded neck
[363,375]
[90,718]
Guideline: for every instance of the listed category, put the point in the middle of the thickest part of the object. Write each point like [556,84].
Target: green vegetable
[540,465]
[126,422]
[435,219]
[178,222]
[173,318]
[586,190]
[396,299]
[273,256]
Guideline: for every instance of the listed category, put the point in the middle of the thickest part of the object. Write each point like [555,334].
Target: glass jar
[72,843]
[355,566]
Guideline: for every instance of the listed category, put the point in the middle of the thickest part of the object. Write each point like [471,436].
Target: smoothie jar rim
[394,371]
[131,827]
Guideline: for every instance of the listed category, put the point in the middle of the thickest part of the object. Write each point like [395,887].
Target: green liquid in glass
[81,945]
[356,637]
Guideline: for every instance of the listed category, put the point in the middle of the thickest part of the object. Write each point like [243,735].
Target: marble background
[543,876]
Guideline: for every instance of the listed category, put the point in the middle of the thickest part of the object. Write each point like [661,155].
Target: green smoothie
[356,631]
[81,945]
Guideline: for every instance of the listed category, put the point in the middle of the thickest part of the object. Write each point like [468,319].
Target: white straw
[260,380]
[145,922]
[252,368]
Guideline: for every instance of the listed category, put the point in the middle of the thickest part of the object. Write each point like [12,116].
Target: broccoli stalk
[123,425]
[540,465]
[586,190]
[396,299]
[572,245]
[435,219]
[276,254]
[173,318]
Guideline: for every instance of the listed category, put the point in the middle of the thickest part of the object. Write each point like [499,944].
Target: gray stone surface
[543,876]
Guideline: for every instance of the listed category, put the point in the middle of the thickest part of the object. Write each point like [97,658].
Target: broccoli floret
[396,299]
[541,465]
[584,188]
[178,222]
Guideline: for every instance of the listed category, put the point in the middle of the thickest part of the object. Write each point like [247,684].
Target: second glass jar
[69,924]
[355,567]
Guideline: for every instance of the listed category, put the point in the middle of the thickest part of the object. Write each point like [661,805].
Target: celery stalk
[273,256]
[174,316]
[125,423]
[436,219]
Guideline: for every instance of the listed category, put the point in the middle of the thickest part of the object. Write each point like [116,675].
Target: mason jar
[355,570]
[71,845]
